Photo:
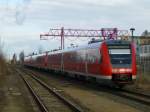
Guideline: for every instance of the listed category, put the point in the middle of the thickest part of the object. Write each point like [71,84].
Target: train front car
[122,61]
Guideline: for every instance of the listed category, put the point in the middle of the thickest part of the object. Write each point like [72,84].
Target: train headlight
[121,70]
[115,70]
[128,70]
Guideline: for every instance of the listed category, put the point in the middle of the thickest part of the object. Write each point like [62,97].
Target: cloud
[88,2]
[14,11]
[23,20]
[21,9]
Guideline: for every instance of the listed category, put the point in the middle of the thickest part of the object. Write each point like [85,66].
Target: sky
[22,21]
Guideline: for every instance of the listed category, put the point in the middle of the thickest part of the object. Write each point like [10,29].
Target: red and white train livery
[109,61]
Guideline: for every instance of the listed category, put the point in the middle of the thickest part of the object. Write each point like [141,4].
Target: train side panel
[74,61]
[134,68]
[54,61]
[100,61]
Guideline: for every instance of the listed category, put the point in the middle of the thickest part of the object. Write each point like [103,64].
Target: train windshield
[120,55]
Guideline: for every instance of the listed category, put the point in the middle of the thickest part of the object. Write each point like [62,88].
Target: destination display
[119,46]
[119,51]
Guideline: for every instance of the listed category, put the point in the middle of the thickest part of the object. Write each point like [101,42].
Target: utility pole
[62,38]
[132,31]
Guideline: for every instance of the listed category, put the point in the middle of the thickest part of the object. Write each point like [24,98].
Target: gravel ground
[94,101]
[14,96]
[142,83]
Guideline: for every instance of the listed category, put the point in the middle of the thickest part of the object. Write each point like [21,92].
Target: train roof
[117,42]
[98,43]
[91,45]
[34,56]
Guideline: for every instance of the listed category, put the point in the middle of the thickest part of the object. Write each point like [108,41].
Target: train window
[120,56]
[39,59]
[142,49]
[101,57]
[72,56]
[81,56]
[93,56]
[145,49]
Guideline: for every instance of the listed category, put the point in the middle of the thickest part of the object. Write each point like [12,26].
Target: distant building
[142,46]
[146,33]
[143,50]
[14,59]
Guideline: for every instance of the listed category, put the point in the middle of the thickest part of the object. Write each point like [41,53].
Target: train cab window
[120,55]
[101,58]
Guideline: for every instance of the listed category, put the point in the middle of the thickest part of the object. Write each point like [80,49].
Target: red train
[109,61]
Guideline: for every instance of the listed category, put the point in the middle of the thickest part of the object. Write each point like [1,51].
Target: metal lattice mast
[104,33]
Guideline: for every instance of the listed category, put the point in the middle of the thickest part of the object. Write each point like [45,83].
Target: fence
[143,63]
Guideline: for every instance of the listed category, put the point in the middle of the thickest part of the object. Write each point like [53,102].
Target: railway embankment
[14,97]
[95,99]
[142,82]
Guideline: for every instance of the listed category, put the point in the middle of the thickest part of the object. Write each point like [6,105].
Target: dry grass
[2,64]
[143,79]
[3,68]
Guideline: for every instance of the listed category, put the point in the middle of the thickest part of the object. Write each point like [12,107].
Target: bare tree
[14,59]
[40,49]
[1,47]
[21,56]
[2,57]
[146,33]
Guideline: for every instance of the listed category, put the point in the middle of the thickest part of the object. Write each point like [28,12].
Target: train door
[46,60]
[62,61]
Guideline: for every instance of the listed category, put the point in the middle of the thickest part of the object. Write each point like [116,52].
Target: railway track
[136,96]
[48,99]
[130,95]
[139,97]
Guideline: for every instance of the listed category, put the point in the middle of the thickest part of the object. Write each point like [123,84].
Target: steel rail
[138,97]
[137,93]
[35,96]
[134,96]
[57,94]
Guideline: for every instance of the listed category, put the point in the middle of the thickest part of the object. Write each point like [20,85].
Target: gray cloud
[21,11]
[26,19]
[14,11]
